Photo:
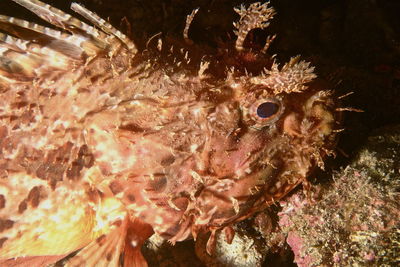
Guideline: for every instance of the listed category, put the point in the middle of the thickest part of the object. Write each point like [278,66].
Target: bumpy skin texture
[101,144]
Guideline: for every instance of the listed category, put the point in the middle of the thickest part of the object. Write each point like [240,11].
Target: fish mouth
[231,199]
[269,163]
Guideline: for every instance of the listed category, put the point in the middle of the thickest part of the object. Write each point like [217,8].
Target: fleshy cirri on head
[103,144]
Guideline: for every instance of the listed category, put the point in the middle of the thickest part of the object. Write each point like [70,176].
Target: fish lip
[248,203]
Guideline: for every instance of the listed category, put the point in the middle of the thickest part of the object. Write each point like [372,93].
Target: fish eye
[267,109]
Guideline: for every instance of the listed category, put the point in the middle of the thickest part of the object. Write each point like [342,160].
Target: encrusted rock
[356,221]
[245,249]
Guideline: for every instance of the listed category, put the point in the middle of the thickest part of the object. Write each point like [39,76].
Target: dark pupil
[267,109]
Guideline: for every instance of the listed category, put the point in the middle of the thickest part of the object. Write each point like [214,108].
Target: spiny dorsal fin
[103,25]
[57,17]
[72,45]
[63,20]
[22,60]
[29,50]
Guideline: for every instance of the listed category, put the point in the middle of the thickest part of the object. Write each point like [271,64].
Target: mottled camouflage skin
[102,144]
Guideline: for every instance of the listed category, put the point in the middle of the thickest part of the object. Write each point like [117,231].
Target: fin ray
[57,17]
[104,251]
[65,21]
[70,44]
[31,261]
[23,60]
[103,25]
[105,37]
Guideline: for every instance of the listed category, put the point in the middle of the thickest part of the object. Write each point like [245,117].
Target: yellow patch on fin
[60,233]
[31,261]
[61,221]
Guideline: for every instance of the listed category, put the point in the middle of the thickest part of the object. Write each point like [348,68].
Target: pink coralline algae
[354,221]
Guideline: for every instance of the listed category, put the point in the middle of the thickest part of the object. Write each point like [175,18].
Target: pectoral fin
[122,245]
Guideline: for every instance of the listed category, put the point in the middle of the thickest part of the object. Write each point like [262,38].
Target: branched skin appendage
[257,15]
[102,144]
[293,77]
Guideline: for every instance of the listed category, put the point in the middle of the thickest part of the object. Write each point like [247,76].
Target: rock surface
[356,220]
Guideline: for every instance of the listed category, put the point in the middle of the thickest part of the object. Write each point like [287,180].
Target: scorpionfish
[103,144]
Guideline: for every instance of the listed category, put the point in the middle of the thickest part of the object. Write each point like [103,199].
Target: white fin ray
[104,38]
[29,50]
[57,17]
[103,25]
[22,60]
[63,20]
[70,44]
